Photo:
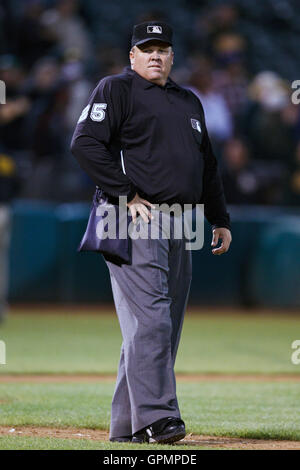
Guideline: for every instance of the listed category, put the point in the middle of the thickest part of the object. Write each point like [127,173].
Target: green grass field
[30,443]
[253,410]
[211,343]
[65,343]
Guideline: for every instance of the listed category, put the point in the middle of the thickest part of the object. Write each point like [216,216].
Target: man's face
[153,61]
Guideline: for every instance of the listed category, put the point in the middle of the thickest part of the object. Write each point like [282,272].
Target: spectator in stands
[292,195]
[7,27]
[48,96]
[67,27]
[79,89]
[219,35]
[46,128]
[270,119]
[217,115]
[230,76]
[34,39]
[9,186]
[13,114]
[211,22]
[109,60]
[245,180]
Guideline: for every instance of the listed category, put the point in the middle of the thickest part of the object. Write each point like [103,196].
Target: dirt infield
[189,440]
[94,378]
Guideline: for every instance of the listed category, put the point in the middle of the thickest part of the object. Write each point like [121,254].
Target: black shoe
[121,439]
[163,431]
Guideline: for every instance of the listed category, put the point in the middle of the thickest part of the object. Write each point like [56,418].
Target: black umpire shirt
[136,136]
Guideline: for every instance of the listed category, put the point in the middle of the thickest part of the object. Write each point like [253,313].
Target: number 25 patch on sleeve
[98,113]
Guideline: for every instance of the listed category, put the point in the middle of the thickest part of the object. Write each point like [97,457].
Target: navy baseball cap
[151,31]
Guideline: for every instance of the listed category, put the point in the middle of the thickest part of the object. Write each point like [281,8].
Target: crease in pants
[150,298]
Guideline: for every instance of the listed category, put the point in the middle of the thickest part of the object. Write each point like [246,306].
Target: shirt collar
[145,84]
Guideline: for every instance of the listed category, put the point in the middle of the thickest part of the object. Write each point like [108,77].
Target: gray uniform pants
[150,297]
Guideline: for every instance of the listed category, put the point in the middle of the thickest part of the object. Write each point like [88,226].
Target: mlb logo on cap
[154,29]
[151,31]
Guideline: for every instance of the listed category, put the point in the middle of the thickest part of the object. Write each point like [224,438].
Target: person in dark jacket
[9,187]
[143,137]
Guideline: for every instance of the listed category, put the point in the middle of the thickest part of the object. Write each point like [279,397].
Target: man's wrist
[213,227]
[131,195]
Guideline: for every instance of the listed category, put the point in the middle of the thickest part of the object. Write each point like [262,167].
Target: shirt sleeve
[97,129]
[213,196]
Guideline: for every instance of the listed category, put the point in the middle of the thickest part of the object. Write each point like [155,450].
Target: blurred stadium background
[239,56]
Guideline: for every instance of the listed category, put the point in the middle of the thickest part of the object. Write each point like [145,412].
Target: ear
[131,56]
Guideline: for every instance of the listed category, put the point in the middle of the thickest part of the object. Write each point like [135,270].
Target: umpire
[144,137]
